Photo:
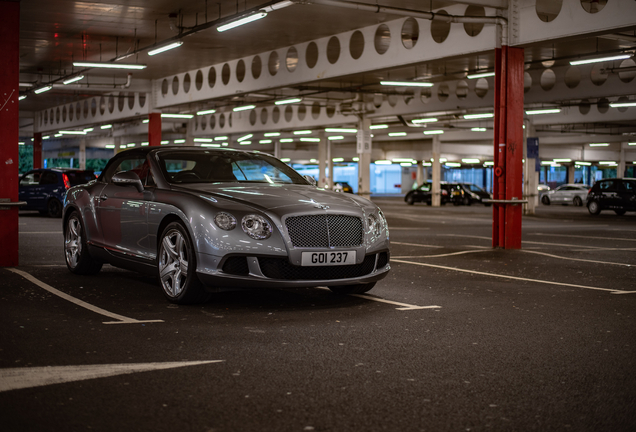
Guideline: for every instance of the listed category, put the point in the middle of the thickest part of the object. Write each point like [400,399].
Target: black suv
[613,194]
[468,193]
[423,193]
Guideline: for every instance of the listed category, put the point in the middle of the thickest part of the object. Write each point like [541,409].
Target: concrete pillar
[154,129]
[364,146]
[419,175]
[571,169]
[437,171]
[189,134]
[322,160]
[37,150]
[117,144]
[9,130]
[620,170]
[278,151]
[329,184]
[82,154]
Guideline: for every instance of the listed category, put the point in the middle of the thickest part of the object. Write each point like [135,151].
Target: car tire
[594,208]
[176,267]
[410,200]
[545,200]
[620,212]
[578,201]
[466,201]
[352,289]
[54,208]
[78,259]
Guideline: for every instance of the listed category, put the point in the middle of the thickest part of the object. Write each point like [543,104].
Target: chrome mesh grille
[325,231]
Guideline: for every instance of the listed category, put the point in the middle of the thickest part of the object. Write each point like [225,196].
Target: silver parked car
[566,194]
[205,220]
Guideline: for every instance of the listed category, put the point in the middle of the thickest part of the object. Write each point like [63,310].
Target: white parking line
[611,291]
[575,259]
[583,237]
[542,243]
[416,244]
[27,377]
[443,255]
[41,232]
[405,306]
[120,318]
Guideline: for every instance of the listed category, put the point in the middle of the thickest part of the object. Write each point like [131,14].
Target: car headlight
[256,227]
[375,226]
[225,221]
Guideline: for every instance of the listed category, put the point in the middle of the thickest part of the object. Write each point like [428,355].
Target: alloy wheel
[173,263]
[73,241]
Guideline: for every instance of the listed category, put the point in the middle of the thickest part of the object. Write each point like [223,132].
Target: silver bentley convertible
[206,220]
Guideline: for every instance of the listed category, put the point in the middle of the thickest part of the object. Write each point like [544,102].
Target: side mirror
[310,179]
[128,178]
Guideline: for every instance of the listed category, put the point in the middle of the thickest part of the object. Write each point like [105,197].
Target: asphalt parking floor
[459,336]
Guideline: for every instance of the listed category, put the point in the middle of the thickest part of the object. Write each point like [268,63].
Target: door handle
[103,197]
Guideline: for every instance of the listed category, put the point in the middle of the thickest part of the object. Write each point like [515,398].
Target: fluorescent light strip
[337,160]
[107,126]
[145,143]
[308,139]
[397,134]
[406,84]
[73,79]
[70,132]
[265,141]
[489,163]
[179,141]
[287,140]
[335,138]
[287,101]
[424,120]
[241,21]
[622,104]
[582,163]
[22,97]
[43,89]
[164,142]
[478,129]
[471,161]
[478,116]
[110,146]
[46,137]
[165,48]
[109,65]
[434,132]
[302,132]
[245,142]
[607,163]
[453,164]
[544,111]
[205,140]
[130,145]
[87,130]
[285,160]
[480,75]
[245,137]
[383,162]
[379,126]
[341,130]
[220,138]
[211,145]
[204,112]
[632,143]
[244,108]
[272,134]
[599,144]
[600,59]
[177,116]
[561,160]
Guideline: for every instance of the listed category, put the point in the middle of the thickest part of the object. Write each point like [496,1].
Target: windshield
[224,166]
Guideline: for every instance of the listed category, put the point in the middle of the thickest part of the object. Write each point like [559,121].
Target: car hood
[276,197]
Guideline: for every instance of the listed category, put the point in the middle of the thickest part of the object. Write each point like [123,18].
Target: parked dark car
[342,187]
[44,189]
[612,194]
[205,220]
[468,193]
[423,193]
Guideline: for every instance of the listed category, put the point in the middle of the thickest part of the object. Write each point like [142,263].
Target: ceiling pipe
[431,16]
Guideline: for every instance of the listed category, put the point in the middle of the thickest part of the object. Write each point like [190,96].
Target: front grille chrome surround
[325,231]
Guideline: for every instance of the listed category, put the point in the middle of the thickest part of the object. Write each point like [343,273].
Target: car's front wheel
[410,200]
[578,201]
[352,289]
[545,200]
[177,267]
[593,208]
[78,260]
[54,208]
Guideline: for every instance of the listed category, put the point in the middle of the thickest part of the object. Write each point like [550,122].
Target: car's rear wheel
[54,208]
[78,260]
[620,212]
[466,201]
[410,200]
[352,289]
[545,200]
[593,208]
[578,201]
[177,267]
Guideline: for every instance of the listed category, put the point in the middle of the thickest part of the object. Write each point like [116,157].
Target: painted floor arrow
[18,378]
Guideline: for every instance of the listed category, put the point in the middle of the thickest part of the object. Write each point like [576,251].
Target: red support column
[9,127]
[37,150]
[508,169]
[154,129]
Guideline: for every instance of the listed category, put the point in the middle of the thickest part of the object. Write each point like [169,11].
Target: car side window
[135,163]
[607,186]
[629,186]
[48,178]
[30,179]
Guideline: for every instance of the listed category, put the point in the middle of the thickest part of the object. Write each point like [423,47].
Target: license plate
[328,258]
